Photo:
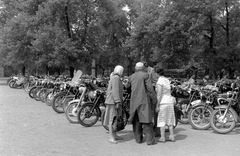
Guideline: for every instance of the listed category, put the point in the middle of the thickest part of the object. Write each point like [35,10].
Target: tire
[215,118]
[103,117]
[199,118]
[87,111]
[58,102]
[66,102]
[71,112]
[11,84]
[36,93]
[183,117]
[31,92]
[49,97]
[26,87]
[42,93]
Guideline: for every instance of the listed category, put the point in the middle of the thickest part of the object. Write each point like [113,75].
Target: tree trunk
[71,71]
[47,70]
[23,70]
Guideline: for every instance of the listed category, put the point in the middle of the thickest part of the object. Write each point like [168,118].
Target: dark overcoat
[140,100]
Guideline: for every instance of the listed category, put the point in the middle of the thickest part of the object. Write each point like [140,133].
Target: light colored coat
[115,90]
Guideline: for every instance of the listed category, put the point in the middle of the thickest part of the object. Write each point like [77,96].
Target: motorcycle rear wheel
[217,122]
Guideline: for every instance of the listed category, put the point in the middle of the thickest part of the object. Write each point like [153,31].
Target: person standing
[152,80]
[140,106]
[165,105]
[113,101]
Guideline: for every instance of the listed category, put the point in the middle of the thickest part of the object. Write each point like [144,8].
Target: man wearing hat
[140,106]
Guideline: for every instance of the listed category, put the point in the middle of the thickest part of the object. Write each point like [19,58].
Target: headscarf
[118,70]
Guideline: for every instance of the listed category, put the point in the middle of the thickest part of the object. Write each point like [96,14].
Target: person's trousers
[140,128]
[155,117]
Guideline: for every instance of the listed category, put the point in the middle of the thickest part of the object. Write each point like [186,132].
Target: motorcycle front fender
[198,103]
[221,107]
[235,115]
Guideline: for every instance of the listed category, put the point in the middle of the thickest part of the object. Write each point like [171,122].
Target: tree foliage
[57,34]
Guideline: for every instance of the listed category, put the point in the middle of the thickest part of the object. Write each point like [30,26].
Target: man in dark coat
[152,80]
[140,106]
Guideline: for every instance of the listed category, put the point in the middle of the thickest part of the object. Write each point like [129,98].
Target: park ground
[31,128]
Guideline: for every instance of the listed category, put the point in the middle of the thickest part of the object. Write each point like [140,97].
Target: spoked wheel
[36,94]
[182,106]
[42,94]
[58,103]
[222,124]
[199,117]
[48,99]
[26,87]
[11,83]
[71,112]
[31,92]
[103,118]
[66,102]
[88,115]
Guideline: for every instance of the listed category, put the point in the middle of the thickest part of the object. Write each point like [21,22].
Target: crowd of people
[151,103]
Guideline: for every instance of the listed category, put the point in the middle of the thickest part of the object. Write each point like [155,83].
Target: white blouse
[166,90]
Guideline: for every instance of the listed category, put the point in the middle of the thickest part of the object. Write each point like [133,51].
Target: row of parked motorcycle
[82,100]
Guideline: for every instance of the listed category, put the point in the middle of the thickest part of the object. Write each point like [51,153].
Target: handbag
[118,123]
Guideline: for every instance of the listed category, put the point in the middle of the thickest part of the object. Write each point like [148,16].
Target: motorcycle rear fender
[70,96]
[235,115]
[74,101]
[178,112]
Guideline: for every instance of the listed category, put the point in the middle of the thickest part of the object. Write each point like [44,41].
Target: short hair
[139,66]
[159,70]
[145,63]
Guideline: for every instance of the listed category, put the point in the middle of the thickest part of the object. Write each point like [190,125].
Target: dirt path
[31,128]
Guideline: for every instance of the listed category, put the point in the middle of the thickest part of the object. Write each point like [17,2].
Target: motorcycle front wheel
[71,112]
[199,117]
[222,124]
[57,104]
[88,115]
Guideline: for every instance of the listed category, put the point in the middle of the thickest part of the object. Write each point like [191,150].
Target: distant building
[1,71]
[6,71]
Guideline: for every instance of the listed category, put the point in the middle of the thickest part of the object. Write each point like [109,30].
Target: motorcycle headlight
[92,94]
[62,86]
[81,89]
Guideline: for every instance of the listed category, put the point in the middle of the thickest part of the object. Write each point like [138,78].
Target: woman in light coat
[113,100]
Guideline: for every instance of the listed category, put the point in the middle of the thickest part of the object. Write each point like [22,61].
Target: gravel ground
[31,128]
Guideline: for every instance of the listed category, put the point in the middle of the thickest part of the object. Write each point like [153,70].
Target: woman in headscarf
[113,100]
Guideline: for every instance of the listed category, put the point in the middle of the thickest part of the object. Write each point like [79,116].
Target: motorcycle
[199,115]
[91,111]
[224,117]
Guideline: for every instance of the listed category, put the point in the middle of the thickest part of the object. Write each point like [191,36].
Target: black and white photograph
[119,77]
